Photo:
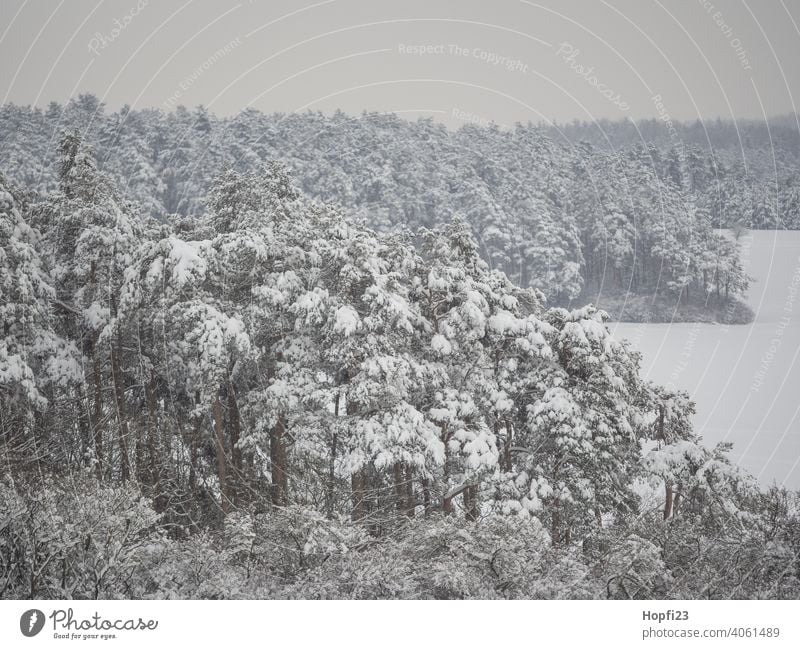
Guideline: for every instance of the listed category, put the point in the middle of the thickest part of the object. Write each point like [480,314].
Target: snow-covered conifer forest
[307,356]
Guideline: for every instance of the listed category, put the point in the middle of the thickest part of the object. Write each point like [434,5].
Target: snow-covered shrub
[72,538]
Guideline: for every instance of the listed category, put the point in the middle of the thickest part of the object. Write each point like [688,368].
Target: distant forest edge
[583,211]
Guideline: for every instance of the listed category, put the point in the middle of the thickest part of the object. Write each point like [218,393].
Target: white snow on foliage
[504,322]
[441,345]
[666,460]
[186,260]
[96,316]
[347,320]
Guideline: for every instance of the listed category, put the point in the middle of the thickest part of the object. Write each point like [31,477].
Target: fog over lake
[744,378]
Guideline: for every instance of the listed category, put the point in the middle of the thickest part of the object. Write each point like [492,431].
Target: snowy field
[744,378]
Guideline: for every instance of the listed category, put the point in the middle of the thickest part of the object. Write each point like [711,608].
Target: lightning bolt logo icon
[31,622]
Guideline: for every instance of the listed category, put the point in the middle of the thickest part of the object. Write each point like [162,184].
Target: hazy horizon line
[428,114]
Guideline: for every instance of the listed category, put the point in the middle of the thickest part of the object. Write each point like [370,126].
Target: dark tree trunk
[192,443]
[277,449]
[398,472]
[555,528]
[119,402]
[507,449]
[471,502]
[236,453]
[447,502]
[98,414]
[358,480]
[140,465]
[222,464]
[676,499]
[668,501]
[152,429]
[426,496]
[84,421]
[357,484]
[409,485]
[332,463]
[447,505]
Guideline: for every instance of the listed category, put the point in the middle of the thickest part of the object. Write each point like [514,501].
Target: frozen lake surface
[744,378]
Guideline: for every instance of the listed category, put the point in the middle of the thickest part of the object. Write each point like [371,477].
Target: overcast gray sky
[501,60]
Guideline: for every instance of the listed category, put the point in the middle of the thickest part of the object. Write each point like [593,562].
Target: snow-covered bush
[72,538]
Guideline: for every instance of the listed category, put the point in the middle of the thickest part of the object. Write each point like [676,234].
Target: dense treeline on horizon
[741,140]
[261,394]
[574,219]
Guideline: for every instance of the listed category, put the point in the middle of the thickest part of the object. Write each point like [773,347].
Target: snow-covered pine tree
[90,234]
